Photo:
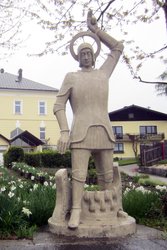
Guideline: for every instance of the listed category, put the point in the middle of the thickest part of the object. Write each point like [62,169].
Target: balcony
[139,137]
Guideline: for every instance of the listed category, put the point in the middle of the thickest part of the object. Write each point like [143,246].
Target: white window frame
[39,107]
[20,106]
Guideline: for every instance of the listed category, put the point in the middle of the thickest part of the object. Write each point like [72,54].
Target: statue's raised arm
[113,45]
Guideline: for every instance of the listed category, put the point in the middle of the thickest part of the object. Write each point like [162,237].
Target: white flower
[10,194]
[35,186]
[3,189]
[46,183]
[161,188]
[130,183]
[13,188]
[54,186]
[51,178]
[86,185]
[26,211]
[50,183]
[141,188]
[32,178]
[21,186]
[126,190]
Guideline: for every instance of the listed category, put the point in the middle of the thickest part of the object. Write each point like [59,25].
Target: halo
[82,34]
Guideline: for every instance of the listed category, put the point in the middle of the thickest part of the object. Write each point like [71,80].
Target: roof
[4,138]
[28,138]
[136,113]
[10,81]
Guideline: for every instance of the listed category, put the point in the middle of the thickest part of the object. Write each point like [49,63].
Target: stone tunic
[87,92]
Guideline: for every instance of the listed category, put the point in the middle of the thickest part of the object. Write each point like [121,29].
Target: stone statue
[91,132]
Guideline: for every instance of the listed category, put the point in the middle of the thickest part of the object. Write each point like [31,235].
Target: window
[119,148]
[148,130]
[131,115]
[42,133]
[42,108]
[118,132]
[17,107]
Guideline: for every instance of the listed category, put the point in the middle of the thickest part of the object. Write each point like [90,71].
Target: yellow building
[27,110]
[134,126]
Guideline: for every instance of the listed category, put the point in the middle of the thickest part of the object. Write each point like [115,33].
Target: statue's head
[86,55]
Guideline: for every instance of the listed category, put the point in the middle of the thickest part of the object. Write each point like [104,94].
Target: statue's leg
[80,158]
[104,166]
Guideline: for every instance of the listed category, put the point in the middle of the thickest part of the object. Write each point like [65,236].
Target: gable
[28,138]
[136,113]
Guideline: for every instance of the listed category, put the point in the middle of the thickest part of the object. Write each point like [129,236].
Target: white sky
[124,90]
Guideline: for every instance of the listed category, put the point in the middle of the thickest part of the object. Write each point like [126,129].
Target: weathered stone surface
[101,216]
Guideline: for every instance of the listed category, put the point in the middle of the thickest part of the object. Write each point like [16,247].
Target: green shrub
[41,203]
[51,159]
[14,154]
[67,159]
[150,182]
[162,162]
[139,204]
[33,159]
[54,159]
[137,177]
[124,162]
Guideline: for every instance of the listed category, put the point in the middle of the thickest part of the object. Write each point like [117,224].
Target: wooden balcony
[142,138]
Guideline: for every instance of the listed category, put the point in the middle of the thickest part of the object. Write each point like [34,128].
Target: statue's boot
[77,193]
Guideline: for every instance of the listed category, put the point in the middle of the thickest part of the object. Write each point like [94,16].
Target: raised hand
[92,22]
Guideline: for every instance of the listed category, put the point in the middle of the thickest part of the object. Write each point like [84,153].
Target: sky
[123,89]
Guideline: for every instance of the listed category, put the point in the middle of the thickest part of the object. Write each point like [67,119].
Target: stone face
[101,211]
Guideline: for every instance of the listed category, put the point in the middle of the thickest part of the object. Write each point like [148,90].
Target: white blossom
[13,188]
[54,186]
[141,188]
[126,190]
[32,178]
[3,189]
[26,211]
[35,186]
[86,185]
[10,194]
[46,183]
[161,188]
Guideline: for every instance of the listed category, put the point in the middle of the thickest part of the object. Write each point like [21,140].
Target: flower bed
[26,205]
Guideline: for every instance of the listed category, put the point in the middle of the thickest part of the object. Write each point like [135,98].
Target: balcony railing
[139,137]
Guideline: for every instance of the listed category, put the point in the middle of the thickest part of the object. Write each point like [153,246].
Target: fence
[151,154]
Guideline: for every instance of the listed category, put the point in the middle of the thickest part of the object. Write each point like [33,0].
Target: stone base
[101,215]
[118,228]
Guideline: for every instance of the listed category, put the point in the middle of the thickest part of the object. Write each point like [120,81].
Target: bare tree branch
[150,82]
[103,11]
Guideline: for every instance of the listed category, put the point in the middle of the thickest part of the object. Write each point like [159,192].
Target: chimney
[2,70]
[19,78]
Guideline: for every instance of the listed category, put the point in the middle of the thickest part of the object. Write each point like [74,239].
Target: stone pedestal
[102,214]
